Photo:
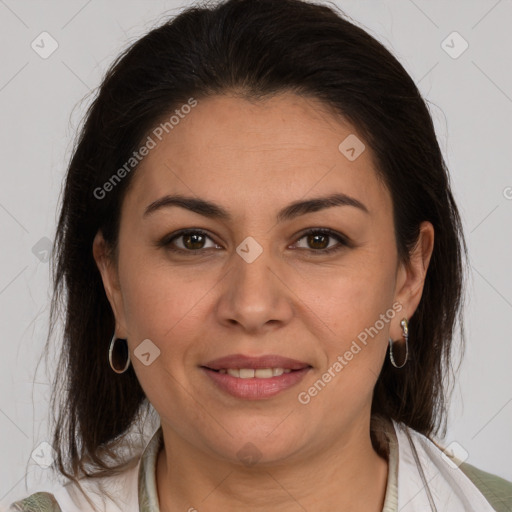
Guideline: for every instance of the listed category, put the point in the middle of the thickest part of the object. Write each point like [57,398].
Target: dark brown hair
[255,49]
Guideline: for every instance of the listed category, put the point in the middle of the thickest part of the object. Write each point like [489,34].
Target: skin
[290,301]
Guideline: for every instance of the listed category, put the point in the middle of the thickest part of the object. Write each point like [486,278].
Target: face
[273,247]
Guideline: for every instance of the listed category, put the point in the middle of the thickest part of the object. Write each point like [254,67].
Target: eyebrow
[215,211]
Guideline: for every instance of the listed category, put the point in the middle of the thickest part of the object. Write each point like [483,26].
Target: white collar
[413,461]
[430,479]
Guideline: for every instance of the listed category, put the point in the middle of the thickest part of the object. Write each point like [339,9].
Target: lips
[237,361]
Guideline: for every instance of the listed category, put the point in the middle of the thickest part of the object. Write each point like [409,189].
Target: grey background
[43,100]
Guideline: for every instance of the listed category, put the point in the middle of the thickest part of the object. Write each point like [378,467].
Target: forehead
[283,148]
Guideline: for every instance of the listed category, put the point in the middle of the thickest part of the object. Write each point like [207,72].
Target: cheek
[348,298]
[354,302]
[160,303]
[166,308]
[358,314]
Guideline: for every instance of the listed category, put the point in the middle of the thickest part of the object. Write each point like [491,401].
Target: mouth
[255,378]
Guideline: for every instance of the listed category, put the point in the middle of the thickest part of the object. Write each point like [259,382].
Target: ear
[109,275]
[410,278]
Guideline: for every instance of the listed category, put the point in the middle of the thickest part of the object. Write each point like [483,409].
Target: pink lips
[255,388]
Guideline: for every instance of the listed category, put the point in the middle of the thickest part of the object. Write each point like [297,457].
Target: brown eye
[188,241]
[319,241]
[194,241]
[322,241]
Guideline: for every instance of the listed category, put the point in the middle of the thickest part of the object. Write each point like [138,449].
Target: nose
[254,295]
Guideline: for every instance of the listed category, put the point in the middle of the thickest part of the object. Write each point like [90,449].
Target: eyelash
[342,241]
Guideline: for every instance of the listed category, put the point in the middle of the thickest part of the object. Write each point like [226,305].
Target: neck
[346,474]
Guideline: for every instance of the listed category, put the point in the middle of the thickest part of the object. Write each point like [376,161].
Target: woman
[258,242]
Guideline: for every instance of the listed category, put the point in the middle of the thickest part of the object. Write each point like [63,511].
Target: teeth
[250,373]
